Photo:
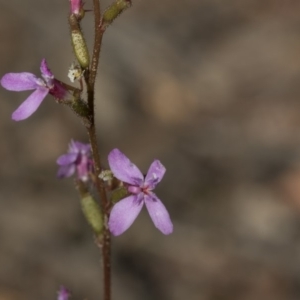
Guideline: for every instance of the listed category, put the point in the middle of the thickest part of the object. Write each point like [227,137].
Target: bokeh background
[209,87]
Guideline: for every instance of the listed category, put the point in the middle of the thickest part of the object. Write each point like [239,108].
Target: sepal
[119,194]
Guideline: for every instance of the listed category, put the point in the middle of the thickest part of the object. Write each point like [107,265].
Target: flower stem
[97,43]
[103,241]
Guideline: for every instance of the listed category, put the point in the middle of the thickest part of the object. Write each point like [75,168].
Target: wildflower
[63,293]
[125,211]
[78,159]
[27,81]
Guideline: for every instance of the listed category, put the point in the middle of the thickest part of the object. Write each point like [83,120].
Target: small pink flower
[63,294]
[125,211]
[27,81]
[78,159]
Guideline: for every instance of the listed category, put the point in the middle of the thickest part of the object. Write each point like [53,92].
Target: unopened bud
[78,43]
[76,7]
[113,11]
[92,213]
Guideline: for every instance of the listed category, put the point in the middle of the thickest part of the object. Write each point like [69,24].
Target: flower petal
[46,73]
[83,168]
[66,159]
[19,81]
[30,105]
[77,147]
[66,171]
[158,214]
[124,169]
[155,174]
[124,213]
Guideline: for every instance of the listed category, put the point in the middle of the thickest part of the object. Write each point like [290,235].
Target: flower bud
[113,11]
[78,43]
[77,9]
[92,213]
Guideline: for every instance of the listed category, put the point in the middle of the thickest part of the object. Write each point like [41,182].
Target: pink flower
[27,81]
[125,211]
[78,159]
[63,294]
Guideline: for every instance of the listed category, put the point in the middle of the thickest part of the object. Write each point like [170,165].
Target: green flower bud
[113,11]
[92,213]
[78,43]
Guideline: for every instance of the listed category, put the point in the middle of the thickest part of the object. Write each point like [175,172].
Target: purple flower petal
[158,214]
[78,159]
[124,169]
[77,147]
[155,174]
[30,105]
[66,171]
[46,73]
[19,81]
[83,168]
[124,213]
[66,159]
[63,293]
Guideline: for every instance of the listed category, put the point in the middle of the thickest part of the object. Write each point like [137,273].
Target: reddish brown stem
[90,77]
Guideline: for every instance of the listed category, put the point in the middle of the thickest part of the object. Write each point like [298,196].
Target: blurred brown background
[209,87]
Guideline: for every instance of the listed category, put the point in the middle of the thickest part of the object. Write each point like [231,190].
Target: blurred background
[209,87]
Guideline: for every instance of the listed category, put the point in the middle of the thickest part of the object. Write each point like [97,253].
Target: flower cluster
[78,159]
[125,211]
[43,86]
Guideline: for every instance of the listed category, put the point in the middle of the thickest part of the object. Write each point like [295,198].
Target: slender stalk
[104,241]
[97,42]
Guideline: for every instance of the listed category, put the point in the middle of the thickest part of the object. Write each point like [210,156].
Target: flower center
[136,189]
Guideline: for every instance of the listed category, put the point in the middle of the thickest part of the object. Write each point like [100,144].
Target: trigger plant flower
[141,189]
[42,87]
[63,294]
[78,159]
